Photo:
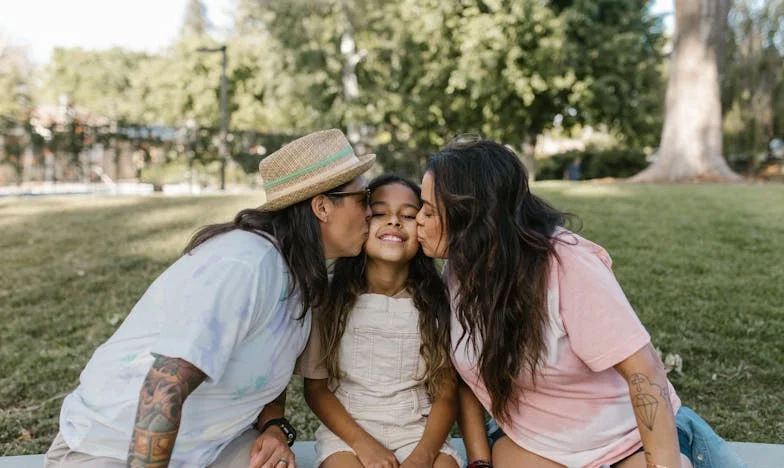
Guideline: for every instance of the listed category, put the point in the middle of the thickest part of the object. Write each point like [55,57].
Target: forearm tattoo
[646,398]
[163,393]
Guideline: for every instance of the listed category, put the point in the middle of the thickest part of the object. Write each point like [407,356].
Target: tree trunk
[351,57]
[691,142]
[528,156]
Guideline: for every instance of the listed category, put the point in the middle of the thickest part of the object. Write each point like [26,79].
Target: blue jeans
[697,440]
[702,445]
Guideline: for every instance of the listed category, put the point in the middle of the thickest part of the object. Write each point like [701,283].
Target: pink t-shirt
[580,413]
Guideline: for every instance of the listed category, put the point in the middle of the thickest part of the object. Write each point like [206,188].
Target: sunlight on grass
[703,265]
[43,205]
[582,189]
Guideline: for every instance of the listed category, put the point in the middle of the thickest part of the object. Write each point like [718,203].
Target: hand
[419,459]
[270,449]
[374,455]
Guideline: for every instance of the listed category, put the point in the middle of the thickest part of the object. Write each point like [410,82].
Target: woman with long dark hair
[222,327]
[377,368]
[542,334]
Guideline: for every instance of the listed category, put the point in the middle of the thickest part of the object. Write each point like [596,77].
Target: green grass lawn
[703,265]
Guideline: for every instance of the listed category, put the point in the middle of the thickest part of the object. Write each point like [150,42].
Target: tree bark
[528,156]
[350,82]
[691,143]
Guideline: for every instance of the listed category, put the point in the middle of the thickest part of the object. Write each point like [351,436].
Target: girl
[377,369]
[542,333]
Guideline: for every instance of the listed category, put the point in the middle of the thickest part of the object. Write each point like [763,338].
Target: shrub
[618,163]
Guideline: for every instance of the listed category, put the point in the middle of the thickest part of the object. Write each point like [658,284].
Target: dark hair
[499,241]
[296,233]
[429,295]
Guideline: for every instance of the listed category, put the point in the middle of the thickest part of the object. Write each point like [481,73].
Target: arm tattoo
[646,396]
[163,393]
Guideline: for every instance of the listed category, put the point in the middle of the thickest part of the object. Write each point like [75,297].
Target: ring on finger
[283,461]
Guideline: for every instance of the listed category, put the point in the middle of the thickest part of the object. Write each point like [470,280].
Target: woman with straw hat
[201,364]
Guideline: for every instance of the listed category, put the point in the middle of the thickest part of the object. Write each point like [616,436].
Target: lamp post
[223,148]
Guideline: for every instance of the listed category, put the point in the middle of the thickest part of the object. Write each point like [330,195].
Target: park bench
[756,455]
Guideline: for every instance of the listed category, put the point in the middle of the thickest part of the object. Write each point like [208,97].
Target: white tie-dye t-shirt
[224,308]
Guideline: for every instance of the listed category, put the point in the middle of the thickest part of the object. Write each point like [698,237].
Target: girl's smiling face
[393,227]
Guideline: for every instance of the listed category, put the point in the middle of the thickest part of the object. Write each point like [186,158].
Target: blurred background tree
[692,141]
[16,98]
[405,77]
[425,70]
[195,22]
[753,85]
[99,81]
[16,90]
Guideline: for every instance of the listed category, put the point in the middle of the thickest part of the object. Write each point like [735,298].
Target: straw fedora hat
[308,166]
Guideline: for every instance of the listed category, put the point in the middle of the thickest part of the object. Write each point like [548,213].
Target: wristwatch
[285,426]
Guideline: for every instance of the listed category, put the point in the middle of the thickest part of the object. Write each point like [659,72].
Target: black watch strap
[285,426]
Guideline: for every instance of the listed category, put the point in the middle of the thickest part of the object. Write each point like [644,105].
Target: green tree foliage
[15,103]
[307,37]
[407,75]
[248,18]
[507,70]
[194,22]
[594,164]
[179,85]
[99,81]
[15,84]
[753,84]
[263,95]
[615,50]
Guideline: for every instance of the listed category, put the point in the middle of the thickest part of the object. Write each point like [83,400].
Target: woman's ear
[321,207]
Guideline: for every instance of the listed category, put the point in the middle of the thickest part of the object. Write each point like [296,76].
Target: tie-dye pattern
[222,308]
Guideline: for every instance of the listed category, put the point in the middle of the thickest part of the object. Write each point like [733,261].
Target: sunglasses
[364,192]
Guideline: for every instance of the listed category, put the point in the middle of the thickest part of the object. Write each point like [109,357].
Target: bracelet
[480,463]
[285,427]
